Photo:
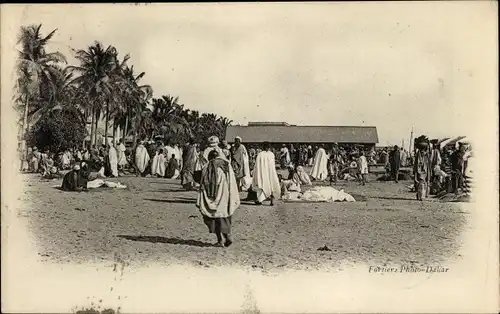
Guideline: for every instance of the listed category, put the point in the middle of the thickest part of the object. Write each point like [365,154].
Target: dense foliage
[58,130]
[101,86]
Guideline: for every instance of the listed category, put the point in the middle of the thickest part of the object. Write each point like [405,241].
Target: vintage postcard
[326,157]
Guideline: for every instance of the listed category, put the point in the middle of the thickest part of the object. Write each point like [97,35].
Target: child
[363,167]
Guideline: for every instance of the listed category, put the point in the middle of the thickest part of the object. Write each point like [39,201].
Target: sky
[394,65]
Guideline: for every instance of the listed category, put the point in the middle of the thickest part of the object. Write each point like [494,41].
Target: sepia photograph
[325,157]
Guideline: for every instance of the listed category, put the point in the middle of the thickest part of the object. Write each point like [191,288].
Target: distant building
[278,133]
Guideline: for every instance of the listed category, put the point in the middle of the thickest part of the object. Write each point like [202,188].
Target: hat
[213,140]
[76,167]
[237,138]
[35,148]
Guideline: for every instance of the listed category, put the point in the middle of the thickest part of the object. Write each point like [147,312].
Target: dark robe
[237,161]
[71,181]
[209,182]
[172,166]
[189,159]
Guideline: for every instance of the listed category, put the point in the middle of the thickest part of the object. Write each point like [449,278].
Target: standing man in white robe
[319,170]
[178,155]
[122,158]
[158,164]
[113,160]
[265,179]
[141,158]
[240,164]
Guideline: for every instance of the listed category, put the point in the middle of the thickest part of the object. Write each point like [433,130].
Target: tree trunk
[114,130]
[25,128]
[125,128]
[92,118]
[97,116]
[106,117]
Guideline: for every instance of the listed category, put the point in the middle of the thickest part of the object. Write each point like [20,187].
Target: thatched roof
[303,134]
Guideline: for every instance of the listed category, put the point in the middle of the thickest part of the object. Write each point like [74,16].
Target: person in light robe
[241,165]
[65,160]
[190,159]
[363,167]
[46,163]
[168,151]
[319,169]
[141,159]
[86,154]
[404,157]
[301,177]
[265,182]
[113,160]
[122,158]
[218,197]
[158,164]
[213,144]
[178,155]
[226,149]
[172,171]
[284,157]
[34,160]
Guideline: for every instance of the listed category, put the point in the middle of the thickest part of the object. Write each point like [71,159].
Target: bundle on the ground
[320,194]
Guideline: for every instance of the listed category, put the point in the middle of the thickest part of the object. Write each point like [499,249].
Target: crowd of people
[440,169]
[219,171]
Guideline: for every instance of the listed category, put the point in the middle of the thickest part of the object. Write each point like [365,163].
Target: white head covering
[213,140]
[76,167]
[237,138]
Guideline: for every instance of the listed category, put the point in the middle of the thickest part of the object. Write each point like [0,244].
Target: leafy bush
[58,130]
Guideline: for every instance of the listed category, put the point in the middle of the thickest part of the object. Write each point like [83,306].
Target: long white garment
[65,159]
[319,169]
[168,151]
[141,158]
[363,165]
[286,154]
[122,159]
[113,161]
[158,165]
[265,179]
[246,181]
[177,153]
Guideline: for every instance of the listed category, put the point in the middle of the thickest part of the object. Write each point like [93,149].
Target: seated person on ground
[72,180]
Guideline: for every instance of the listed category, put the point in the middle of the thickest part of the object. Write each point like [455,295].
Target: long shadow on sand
[174,201]
[157,239]
[394,198]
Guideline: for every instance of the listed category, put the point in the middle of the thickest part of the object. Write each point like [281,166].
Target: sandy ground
[154,220]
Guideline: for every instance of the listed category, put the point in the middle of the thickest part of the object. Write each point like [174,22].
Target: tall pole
[411,140]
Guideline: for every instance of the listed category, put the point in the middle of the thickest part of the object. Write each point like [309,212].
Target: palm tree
[97,80]
[135,98]
[169,115]
[35,67]
[63,93]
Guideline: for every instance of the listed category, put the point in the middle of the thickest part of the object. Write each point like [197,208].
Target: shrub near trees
[52,97]
[58,130]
